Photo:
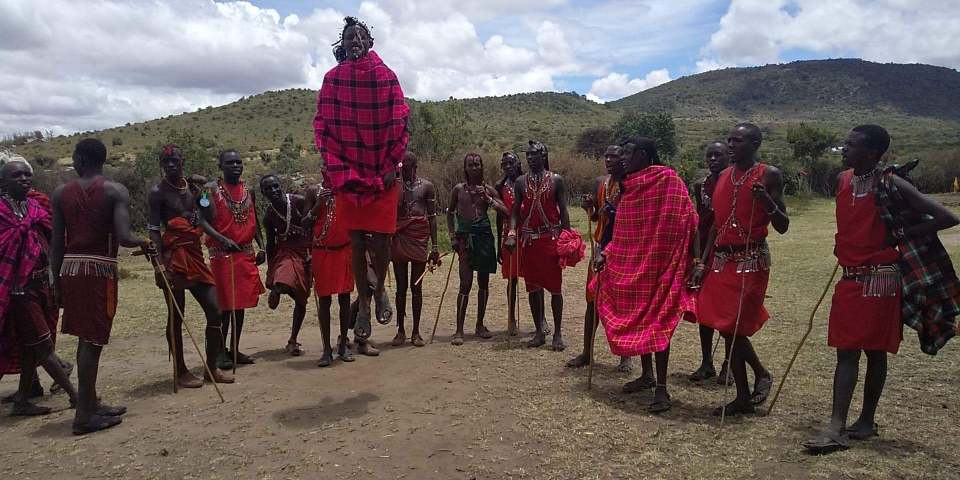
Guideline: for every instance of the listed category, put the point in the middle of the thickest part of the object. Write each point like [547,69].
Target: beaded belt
[540,232]
[330,248]
[36,278]
[877,280]
[220,252]
[752,257]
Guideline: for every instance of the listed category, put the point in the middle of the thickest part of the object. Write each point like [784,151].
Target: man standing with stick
[232,214]
[748,198]
[509,258]
[469,226]
[538,219]
[866,312]
[90,221]
[176,228]
[643,270]
[416,224]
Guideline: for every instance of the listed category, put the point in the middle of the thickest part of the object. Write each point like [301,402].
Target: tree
[657,126]
[288,160]
[439,130]
[809,144]
[593,142]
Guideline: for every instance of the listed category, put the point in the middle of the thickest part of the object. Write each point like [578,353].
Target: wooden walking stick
[233,314]
[596,311]
[158,268]
[443,294]
[172,351]
[804,338]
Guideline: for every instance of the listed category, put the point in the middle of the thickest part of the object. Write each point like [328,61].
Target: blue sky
[72,66]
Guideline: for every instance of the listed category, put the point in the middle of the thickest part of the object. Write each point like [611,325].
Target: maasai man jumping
[25,297]
[748,198]
[643,289]
[472,236]
[288,254]
[416,225]
[174,211]
[331,267]
[361,132]
[91,219]
[540,215]
[232,212]
[602,208]
[866,311]
[717,158]
[509,258]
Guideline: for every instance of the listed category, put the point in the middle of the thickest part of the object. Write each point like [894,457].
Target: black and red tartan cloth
[361,126]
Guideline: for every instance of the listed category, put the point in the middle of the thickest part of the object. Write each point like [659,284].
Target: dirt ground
[489,409]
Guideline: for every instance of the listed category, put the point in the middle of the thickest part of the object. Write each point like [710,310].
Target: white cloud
[759,31]
[619,85]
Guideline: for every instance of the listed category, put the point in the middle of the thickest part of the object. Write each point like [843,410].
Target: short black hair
[265,177]
[224,152]
[92,151]
[645,144]
[537,146]
[754,131]
[468,156]
[875,137]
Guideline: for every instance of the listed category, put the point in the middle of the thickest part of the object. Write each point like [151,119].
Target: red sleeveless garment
[539,229]
[861,317]
[597,233]
[740,266]
[332,254]
[88,277]
[508,258]
[235,274]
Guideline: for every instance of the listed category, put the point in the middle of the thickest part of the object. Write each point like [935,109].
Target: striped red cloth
[361,126]
[643,293]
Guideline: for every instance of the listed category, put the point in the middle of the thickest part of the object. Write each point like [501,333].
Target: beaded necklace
[18,207]
[240,214]
[863,185]
[327,220]
[731,221]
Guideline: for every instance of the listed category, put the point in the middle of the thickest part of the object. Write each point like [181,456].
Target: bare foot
[558,345]
[626,365]
[273,301]
[538,340]
[367,348]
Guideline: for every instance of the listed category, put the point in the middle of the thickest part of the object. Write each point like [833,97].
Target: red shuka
[859,322]
[331,260]
[235,273]
[88,276]
[379,215]
[508,258]
[597,233]
[540,262]
[720,296]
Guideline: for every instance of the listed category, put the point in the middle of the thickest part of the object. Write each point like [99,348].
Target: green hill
[919,104]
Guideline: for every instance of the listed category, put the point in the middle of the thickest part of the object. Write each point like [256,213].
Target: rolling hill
[920,105]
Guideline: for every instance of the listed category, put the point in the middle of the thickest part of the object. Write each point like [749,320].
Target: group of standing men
[659,257]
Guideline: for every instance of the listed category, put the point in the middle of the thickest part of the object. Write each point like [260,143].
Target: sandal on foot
[761,390]
[273,301]
[27,409]
[345,356]
[293,348]
[626,366]
[362,327]
[457,340]
[482,332]
[244,359]
[639,385]
[417,340]
[557,345]
[105,410]
[702,373]
[384,310]
[95,424]
[826,442]
[660,406]
[579,361]
[366,347]
[326,359]
[863,435]
[537,341]
[219,376]
[399,339]
[733,409]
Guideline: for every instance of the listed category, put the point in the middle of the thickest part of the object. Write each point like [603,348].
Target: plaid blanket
[930,287]
[21,243]
[643,291]
[361,126]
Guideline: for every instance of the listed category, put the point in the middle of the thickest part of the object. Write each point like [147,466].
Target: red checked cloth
[361,126]
[643,292]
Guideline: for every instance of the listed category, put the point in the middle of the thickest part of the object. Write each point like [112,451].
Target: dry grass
[489,409]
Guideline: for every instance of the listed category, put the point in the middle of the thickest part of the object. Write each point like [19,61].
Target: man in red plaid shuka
[643,290]
[361,132]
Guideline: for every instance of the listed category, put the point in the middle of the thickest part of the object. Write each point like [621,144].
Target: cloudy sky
[74,65]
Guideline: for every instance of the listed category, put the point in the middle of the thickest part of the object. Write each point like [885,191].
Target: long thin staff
[172,351]
[233,314]
[596,311]
[430,268]
[804,338]
[157,268]
[439,307]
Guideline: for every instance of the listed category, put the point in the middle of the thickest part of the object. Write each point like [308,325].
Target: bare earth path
[490,409]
